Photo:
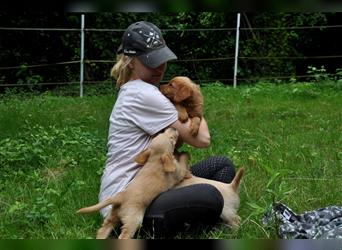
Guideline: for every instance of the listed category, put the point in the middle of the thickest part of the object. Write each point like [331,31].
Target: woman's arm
[202,140]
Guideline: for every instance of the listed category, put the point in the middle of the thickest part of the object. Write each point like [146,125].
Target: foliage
[34,146]
[52,152]
[276,44]
[339,75]
[63,46]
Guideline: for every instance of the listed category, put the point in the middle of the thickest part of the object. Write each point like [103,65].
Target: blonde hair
[120,71]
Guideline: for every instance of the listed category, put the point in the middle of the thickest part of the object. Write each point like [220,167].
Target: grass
[52,152]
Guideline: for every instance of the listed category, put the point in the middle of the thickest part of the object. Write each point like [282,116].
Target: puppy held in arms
[187,98]
[161,171]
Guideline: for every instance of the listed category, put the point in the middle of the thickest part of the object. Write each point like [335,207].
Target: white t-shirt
[140,111]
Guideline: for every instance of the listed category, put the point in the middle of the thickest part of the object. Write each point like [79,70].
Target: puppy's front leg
[182,113]
[184,162]
[183,158]
[194,126]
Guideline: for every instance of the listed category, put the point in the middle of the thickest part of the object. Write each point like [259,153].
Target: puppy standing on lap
[187,98]
[161,171]
[229,193]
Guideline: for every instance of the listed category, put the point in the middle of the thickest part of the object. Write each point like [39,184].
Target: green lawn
[52,151]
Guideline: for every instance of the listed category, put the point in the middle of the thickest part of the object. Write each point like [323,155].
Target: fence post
[236,47]
[82,56]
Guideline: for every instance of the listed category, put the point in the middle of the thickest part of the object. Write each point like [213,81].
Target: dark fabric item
[323,223]
[218,168]
[172,211]
[145,40]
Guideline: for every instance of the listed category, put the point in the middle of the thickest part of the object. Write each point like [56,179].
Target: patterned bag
[323,223]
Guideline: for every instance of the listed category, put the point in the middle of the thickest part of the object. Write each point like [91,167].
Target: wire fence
[216,59]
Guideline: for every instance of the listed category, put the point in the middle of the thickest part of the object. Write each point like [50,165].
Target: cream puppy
[161,171]
[229,192]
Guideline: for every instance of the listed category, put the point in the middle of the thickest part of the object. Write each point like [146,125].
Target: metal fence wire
[83,61]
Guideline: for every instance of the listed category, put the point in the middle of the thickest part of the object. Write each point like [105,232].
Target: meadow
[53,149]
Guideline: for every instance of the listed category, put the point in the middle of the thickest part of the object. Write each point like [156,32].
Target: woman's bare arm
[202,140]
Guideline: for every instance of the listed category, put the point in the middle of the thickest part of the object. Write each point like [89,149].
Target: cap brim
[155,58]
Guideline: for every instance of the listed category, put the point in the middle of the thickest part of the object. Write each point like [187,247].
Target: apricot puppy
[187,98]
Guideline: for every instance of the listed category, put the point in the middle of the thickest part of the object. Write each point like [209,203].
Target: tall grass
[52,152]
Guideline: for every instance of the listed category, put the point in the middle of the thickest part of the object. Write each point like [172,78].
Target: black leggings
[192,205]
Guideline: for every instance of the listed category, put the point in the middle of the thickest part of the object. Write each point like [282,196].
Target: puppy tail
[236,181]
[115,201]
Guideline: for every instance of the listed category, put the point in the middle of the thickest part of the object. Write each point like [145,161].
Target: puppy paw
[235,222]
[188,175]
[194,126]
[124,234]
[185,156]
[194,132]
[102,234]
[182,119]
[182,113]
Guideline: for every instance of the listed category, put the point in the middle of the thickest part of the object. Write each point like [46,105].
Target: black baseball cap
[145,41]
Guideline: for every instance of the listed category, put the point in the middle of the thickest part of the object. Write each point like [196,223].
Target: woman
[140,112]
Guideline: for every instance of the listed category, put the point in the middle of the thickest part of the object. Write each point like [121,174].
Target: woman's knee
[209,196]
[198,195]
[195,204]
[225,169]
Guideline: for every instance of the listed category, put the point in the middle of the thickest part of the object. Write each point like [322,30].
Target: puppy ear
[168,164]
[183,93]
[142,157]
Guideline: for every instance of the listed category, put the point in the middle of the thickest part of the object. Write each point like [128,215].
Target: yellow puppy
[161,171]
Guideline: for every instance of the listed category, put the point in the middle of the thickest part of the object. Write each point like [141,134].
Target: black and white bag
[323,223]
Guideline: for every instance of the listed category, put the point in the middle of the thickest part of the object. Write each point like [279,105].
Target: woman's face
[140,71]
